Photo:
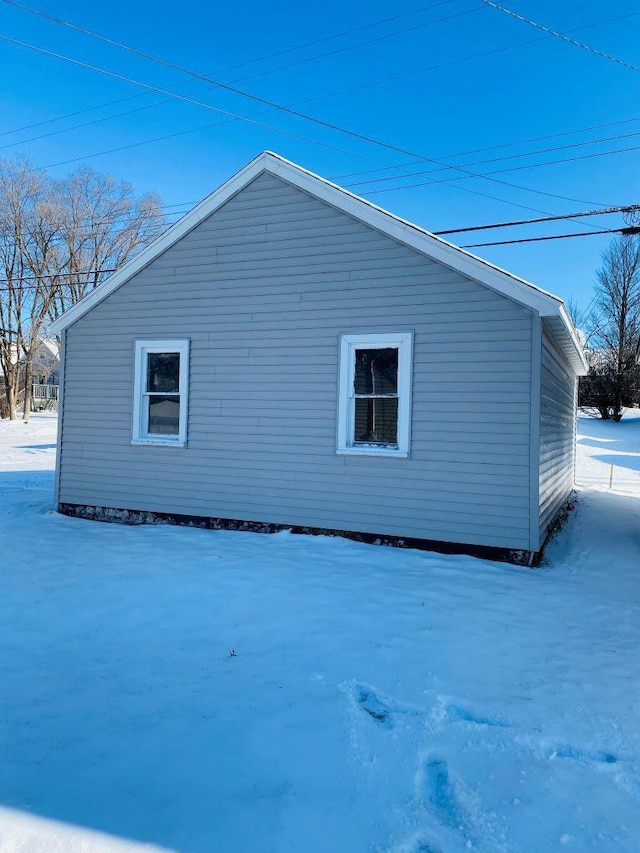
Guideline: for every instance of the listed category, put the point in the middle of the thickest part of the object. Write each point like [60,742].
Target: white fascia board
[562,330]
[571,332]
[475,268]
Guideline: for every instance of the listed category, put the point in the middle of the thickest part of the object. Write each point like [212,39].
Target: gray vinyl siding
[557,431]
[263,289]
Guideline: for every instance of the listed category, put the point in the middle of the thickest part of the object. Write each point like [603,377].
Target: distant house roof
[50,346]
[551,308]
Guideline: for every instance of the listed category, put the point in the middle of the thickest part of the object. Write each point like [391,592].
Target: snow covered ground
[213,691]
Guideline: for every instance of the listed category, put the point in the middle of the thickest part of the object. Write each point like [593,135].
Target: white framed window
[161,385]
[374,398]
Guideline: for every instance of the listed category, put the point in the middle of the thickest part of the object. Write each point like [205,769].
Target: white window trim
[403,341]
[142,348]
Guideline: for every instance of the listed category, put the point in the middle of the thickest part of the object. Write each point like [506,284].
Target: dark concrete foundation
[134,517]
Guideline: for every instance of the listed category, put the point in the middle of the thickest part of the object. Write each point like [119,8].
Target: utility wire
[626,231]
[183,98]
[375,82]
[474,56]
[473,163]
[539,219]
[556,34]
[208,88]
[53,275]
[397,176]
[57,275]
[142,217]
[511,169]
[501,159]
[319,97]
[102,38]
[502,145]
[631,230]
[307,100]
[288,110]
[188,204]
[233,89]
[198,91]
[454,186]
[242,64]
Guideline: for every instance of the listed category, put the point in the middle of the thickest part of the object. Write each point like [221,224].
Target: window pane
[376,371]
[376,421]
[164,415]
[163,371]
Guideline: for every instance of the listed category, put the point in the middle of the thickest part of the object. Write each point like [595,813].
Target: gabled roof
[545,304]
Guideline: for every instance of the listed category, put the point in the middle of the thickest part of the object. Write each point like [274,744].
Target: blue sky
[446,101]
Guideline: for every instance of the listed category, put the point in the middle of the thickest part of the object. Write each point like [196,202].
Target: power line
[183,98]
[263,58]
[539,219]
[509,157]
[388,79]
[181,133]
[288,110]
[142,217]
[57,275]
[54,286]
[626,231]
[513,169]
[474,163]
[289,65]
[495,147]
[465,189]
[398,166]
[504,144]
[317,98]
[556,34]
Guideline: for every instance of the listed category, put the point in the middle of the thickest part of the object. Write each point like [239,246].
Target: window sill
[373,451]
[158,442]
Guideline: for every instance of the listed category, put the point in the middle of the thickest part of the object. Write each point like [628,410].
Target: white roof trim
[517,289]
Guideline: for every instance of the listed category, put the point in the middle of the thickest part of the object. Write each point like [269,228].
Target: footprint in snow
[437,790]
[423,846]
[458,712]
[419,844]
[380,710]
[373,706]
[567,751]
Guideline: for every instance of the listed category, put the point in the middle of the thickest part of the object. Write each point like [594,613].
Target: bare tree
[58,240]
[103,225]
[26,237]
[613,352]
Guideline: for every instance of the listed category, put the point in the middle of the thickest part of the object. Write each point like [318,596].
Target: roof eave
[564,332]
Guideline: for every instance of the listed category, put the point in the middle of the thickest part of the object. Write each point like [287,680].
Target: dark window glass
[376,420]
[376,371]
[164,414]
[163,372]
